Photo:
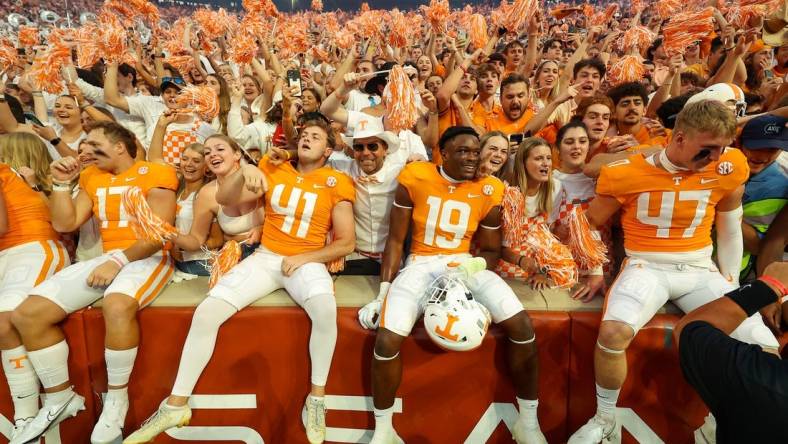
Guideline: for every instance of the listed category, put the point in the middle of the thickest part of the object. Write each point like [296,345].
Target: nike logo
[129,179]
[318,186]
[704,181]
[26,396]
[53,415]
[471,195]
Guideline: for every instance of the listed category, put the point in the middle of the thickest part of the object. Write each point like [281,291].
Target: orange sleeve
[407,178]
[440,70]
[611,181]
[739,169]
[495,188]
[164,177]
[345,190]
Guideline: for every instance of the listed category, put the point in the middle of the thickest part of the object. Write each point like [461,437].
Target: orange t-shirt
[666,212]
[480,115]
[446,214]
[106,191]
[506,126]
[27,212]
[298,206]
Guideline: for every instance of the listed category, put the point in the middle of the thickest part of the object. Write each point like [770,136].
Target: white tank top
[183,222]
[235,225]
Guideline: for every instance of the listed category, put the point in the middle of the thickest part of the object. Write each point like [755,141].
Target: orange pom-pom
[112,42]
[602,18]
[317,5]
[398,30]
[223,261]
[183,63]
[145,9]
[740,16]
[478,31]
[684,29]
[436,13]
[266,7]
[513,216]
[637,37]
[87,47]
[636,6]
[588,10]
[146,224]
[561,11]
[399,96]
[207,21]
[519,13]
[344,39]
[553,257]
[45,72]
[627,69]
[201,100]
[587,248]
[8,55]
[666,8]
[27,36]
[243,49]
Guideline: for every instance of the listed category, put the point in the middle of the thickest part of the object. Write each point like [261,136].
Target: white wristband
[59,187]
[119,258]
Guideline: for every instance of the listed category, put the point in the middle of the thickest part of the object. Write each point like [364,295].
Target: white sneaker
[50,415]
[386,436]
[20,425]
[596,430]
[315,420]
[707,432]
[522,434]
[163,419]
[109,427]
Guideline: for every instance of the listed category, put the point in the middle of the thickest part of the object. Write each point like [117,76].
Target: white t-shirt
[357,100]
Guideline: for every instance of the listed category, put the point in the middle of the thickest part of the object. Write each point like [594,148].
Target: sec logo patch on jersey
[143,170]
[331,181]
[725,168]
[488,190]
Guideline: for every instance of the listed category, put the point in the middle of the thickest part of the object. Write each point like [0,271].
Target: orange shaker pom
[588,249]
[478,31]
[27,36]
[146,225]
[628,68]
[223,261]
[399,97]
[201,100]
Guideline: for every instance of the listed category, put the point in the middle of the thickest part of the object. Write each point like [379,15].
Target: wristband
[119,258]
[780,287]
[752,297]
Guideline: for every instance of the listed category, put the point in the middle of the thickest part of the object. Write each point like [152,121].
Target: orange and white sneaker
[165,418]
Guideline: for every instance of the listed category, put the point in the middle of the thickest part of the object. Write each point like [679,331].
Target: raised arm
[112,96]
[332,107]
[247,184]
[156,147]
[452,82]
[542,117]
[67,214]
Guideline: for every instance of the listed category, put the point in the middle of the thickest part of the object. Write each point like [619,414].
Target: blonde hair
[520,175]
[24,149]
[706,116]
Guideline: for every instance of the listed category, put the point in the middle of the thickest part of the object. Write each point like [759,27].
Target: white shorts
[142,280]
[24,266]
[641,288]
[261,273]
[404,303]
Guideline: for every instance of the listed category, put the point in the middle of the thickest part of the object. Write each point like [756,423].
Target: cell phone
[294,79]
[20,51]
[768,73]
[515,138]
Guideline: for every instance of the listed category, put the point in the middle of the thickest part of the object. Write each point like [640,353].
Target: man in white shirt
[378,157]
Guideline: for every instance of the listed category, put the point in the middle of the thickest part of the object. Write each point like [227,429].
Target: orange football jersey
[446,214]
[27,212]
[665,212]
[106,191]
[298,206]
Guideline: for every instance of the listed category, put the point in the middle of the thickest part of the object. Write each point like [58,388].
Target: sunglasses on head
[175,80]
[371,147]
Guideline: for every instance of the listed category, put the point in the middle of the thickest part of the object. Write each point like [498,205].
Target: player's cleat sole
[163,419]
[48,417]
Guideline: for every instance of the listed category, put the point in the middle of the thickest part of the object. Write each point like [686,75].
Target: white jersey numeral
[105,208]
[664,219]
[451,217]
[289,211]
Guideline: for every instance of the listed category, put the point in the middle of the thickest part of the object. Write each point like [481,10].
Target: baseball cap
[763,132]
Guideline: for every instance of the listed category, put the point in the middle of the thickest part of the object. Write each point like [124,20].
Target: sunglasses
[371,147]
[175,80]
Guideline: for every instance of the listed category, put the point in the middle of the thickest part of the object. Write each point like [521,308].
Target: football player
[29,253]
[303,201]
[669,201]
[445,206]
[129,275]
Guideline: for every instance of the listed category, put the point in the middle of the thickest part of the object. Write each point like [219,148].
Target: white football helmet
[452,318]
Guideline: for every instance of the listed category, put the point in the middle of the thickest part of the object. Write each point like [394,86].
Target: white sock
[317,398]
[322,310]
[59,397]
[383,418]
[22,382]
[119,366]
[606,400]
[527,409]
[51,364]
[200,342]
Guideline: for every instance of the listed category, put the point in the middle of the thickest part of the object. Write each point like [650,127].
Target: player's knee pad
[211,314]
[628,298]
[310,280]
[493,292]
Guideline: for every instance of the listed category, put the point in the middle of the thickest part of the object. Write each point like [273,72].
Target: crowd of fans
[551,97]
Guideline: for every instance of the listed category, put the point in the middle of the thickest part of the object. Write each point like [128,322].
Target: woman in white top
[65,133]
